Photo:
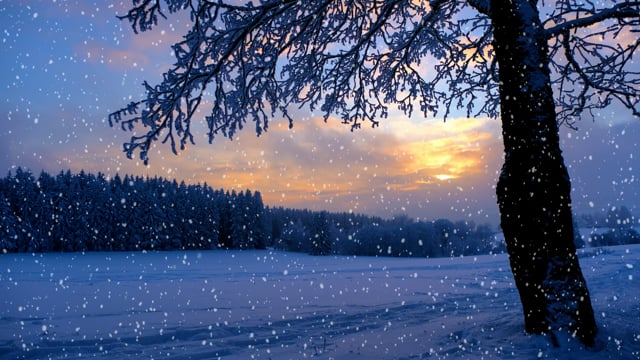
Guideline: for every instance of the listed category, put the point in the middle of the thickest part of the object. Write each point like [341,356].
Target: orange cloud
[444,151]
[317,165]
[322,164]
[447,158]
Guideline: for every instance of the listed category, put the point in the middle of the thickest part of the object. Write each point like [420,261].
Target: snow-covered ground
[278,305]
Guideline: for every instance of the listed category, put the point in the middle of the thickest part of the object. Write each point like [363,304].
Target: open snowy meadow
[280,305]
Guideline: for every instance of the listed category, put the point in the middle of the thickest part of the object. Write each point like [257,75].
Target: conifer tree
[319,235]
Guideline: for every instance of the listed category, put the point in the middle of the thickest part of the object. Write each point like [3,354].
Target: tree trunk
[534,187]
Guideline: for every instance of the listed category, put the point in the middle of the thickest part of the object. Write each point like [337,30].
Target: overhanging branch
[619,11]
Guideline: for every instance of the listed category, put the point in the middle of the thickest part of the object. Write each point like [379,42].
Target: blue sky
[67,64]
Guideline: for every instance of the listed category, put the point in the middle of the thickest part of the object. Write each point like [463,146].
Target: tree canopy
[356,58]
[534,64]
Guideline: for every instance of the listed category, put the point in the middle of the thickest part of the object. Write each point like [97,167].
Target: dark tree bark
[534,187]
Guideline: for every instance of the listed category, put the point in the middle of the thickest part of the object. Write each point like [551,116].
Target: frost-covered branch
[584,17]
[355,58]
[592,52]
[349,58]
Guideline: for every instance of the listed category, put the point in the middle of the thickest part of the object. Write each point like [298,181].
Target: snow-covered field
[278,305]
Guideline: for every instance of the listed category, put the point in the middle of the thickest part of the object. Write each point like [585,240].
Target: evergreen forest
[86,212]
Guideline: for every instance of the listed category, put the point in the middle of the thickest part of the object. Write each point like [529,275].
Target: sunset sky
[68,64]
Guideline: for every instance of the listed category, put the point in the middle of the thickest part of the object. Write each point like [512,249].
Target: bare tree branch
[591,52]
[626,10]
[355,58]
[351,58]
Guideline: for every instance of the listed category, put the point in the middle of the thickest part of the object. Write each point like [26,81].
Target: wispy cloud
[325,166]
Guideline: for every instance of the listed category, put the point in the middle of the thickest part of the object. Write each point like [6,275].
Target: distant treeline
[618,224]
[85,212]
[350,234]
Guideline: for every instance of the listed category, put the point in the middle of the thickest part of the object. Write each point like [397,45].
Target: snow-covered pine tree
[99,213]
[21,197]
[258,224]
[8,235]
[238,221]
[319,235]
[225,224]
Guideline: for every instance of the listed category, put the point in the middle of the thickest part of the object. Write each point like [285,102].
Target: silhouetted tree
[320,240]
[354,58]
[295,236]
[84,212]
[257,221]
[8,235]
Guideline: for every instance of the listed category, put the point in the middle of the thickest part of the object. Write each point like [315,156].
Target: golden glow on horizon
[417,158]
[444,177]
[320,165]
[56,106]
[447,158]
[454,152]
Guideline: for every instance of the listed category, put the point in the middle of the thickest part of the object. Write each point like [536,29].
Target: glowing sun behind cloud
[442,152]
[448,158]
[403,166]
[56,100]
